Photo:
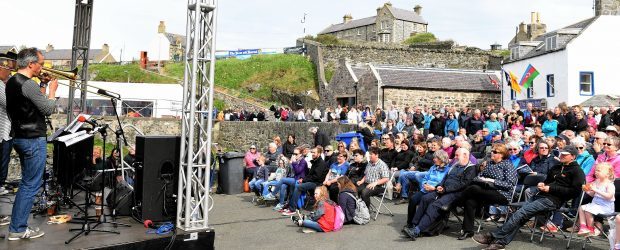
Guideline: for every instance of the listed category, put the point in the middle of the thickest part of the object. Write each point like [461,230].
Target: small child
[262,173]
[284,169]
[603,191]
[322,218]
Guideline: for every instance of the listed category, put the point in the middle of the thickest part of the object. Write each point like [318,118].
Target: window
[550,85]
[385,24]
[359,31]
[551,42]
[514,53]
[513,94]
[385,38]
[586,83]
[530,91]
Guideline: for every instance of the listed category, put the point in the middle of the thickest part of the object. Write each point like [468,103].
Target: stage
[134,237]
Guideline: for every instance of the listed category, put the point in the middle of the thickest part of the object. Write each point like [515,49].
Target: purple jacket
[300,169]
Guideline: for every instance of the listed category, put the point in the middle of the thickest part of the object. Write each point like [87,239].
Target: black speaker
[157,173]
[124,199]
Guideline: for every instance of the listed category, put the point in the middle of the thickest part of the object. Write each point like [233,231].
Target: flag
[528,76]
[512,79]
[494,82]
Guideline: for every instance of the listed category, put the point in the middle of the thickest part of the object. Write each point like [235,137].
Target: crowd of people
[439,159]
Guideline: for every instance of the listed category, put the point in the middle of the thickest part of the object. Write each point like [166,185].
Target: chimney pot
[418,10]
[161,28]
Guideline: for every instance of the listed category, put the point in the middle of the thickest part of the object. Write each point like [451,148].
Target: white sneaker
[3,190]
[30,233]
[4,220]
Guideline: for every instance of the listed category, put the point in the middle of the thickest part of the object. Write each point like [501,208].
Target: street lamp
[355,87]
[127,72]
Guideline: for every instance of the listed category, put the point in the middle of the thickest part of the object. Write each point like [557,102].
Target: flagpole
[501,76]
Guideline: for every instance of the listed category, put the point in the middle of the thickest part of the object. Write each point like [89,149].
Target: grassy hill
[257,76]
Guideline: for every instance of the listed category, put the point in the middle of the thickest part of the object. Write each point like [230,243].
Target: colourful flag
[513,82]
[494,82]
[528,76]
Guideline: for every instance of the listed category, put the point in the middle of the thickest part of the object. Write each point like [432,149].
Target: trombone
[72,76]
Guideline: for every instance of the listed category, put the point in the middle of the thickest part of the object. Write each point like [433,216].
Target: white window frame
[590,83]
[514,53]
[551,42]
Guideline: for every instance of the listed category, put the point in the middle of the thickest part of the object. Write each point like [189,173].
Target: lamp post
[355,87]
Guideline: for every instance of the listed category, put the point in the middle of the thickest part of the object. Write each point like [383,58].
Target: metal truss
[79,55]
[197,119]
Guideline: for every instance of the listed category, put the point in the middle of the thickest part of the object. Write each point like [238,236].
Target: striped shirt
[5,123]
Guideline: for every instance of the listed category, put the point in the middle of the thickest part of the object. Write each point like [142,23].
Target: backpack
[362,214]
[339,218]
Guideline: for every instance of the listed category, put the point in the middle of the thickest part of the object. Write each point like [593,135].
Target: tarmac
[239,224]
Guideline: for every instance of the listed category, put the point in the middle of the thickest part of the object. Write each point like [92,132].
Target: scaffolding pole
[79,55]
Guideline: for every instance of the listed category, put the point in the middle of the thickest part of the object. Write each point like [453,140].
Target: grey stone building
[386,85]
[62,57]
[390,25]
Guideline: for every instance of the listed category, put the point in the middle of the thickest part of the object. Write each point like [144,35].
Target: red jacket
[329,216]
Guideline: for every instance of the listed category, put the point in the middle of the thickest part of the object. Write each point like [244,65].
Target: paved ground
[240,225]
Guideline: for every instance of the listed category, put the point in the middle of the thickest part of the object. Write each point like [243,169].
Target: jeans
[5,158]
[405,179]
[366,193]
[32,154]
[509,229]
[412,206]
[276,186]
[255,185]
[312,225]
[299,188]
[287,187]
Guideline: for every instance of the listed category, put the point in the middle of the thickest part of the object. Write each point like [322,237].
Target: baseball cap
[570,149]
[611,128]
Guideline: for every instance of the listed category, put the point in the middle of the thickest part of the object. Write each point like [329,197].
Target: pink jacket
[615,163]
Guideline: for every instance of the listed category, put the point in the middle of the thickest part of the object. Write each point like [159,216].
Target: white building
[575,63]
[166,46]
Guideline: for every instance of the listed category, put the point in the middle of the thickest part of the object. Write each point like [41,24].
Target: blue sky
[131,24]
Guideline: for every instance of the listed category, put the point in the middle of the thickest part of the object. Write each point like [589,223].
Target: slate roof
[562,40]
[601,101]
[437,79]
[172,38]
[399,14]
[65,54]
[4,49]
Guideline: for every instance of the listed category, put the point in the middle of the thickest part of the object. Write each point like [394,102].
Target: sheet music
[77,139]
[75,124]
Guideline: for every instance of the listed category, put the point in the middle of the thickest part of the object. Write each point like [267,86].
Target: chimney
[418,10]
[533,18]
[378,10]
[49,48]
[522,28]
[161,28]
[388,4]
[105,49]
[347,18]
[607,7]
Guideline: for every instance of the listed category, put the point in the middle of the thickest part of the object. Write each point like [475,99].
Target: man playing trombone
[27,106]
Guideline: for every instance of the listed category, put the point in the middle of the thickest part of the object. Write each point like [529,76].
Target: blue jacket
[427,121]
[452,125]
[492,126]
[586,161]
[434,176]
[550,128]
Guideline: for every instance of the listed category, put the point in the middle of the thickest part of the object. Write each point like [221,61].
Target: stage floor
[56,235]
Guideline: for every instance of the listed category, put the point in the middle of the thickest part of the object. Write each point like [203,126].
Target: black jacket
[356,171]
[27,121]
[317,172]
[437,126]
[288,148]
[387,156]
[564,182]
[368,135]
[321,139]
[458,178]
[605,121]
[418,120]
[402,160]
[474,125]
[578,125]
[426,162]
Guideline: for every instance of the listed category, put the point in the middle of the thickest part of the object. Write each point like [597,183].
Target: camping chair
[381,203]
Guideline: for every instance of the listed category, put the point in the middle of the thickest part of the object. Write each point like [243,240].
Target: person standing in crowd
[418,118]
[452,126]
[437,125]
[475,123]
[390,127]
[27,107]
[550,126]
[316,115]
[605,119]
[579,123]
[320,138]
[7,64]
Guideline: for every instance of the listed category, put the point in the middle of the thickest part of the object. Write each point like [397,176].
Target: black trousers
[366,193]
[473,198]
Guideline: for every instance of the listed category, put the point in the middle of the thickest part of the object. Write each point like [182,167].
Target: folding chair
[564,212]
[529,181]
[514,189]
[381,203]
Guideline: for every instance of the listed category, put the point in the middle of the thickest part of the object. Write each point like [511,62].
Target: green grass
[292,73]
[425,37]
[119,73]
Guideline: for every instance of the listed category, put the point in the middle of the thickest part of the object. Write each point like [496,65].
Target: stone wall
[238,136]
[434,98]
[607,7]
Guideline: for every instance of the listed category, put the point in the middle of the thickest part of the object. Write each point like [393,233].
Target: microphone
[108,94]
[91,122]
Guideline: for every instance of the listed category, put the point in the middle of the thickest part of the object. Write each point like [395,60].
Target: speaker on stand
[157,174]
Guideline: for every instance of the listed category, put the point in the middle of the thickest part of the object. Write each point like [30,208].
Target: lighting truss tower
[79,55]
[197,121]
